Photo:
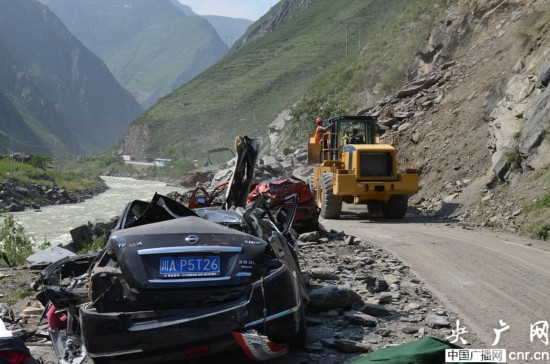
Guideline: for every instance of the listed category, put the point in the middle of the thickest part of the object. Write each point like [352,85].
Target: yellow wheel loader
[352,165]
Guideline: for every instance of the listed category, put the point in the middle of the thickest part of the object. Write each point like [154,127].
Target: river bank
[16,196]
[54,222]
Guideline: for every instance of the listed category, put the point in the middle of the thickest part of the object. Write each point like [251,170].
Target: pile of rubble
[361,299]
[291,162]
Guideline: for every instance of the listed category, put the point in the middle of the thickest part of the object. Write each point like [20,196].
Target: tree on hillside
[310,107]
[40,161]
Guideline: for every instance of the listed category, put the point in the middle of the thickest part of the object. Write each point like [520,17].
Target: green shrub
[40,161]
[97,244]
[20,294]
[44,245]
[542,203]
[544,232]
[514,157]
[15,244]
[308,109]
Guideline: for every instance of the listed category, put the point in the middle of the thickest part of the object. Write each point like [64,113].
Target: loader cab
[352,131]
[345,130]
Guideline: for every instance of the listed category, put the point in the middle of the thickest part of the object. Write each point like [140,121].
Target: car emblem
[192,239]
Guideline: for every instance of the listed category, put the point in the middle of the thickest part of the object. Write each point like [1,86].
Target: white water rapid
[53,223]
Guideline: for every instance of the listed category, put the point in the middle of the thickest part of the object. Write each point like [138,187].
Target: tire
[299,340]
[396,207]
[374,208]
[330,205]
[295,340]
[311,224]
[97,360]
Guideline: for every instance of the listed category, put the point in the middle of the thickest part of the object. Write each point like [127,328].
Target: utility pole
[347,26]
[12,159]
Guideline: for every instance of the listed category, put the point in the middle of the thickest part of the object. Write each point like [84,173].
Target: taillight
[258,347]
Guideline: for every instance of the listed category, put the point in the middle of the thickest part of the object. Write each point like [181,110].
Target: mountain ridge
[247,89]
[63,92]
[152,47]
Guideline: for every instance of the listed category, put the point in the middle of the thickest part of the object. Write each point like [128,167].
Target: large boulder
[535,129]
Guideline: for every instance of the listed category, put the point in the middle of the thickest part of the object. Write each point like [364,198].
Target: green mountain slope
[151,47]
[290,55]
[57,97]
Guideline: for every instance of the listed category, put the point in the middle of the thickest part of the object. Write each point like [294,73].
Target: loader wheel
[330,205]
[396,207]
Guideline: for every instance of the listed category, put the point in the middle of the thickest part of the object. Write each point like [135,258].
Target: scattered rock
[49,255]
[436,321]
[360,318]
[324,274]
[312,236]
[347,346]
[332,297]
[410,330]
[374,310]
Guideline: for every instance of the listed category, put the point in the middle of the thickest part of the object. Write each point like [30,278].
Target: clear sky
[246,9]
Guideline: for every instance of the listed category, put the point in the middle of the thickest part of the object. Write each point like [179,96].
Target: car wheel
[300,339]
[97,360]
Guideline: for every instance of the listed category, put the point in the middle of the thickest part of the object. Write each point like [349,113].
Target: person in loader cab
[356,138]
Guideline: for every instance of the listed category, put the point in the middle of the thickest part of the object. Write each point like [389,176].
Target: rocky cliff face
[280,13]
[475,117]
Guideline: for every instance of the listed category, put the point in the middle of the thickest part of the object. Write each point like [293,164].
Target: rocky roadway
[361,299]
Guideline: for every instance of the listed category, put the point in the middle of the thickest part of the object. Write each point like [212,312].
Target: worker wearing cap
[320,130]
[320,134]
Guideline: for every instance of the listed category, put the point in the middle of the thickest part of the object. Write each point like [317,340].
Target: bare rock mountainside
[281,12]
[475,117]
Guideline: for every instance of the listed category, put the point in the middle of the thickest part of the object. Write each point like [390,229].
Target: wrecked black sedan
[175,283]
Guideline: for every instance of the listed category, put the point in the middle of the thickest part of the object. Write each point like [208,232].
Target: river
[53,223]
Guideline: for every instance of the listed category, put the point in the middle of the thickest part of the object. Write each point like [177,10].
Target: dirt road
[482,276]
